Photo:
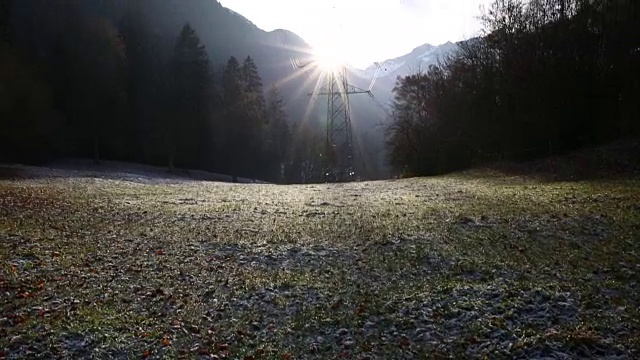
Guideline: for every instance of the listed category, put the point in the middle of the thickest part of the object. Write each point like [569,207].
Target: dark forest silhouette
[548,77]
[129,80]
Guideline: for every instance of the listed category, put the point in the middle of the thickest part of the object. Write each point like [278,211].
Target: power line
[338,150]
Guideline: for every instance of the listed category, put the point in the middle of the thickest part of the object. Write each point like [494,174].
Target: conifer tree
[190,86]
[278,140]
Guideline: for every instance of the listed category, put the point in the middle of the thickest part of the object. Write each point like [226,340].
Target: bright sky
[372,30]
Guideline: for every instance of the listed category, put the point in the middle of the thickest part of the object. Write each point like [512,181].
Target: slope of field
[420,268]
[617,160]
[114,170]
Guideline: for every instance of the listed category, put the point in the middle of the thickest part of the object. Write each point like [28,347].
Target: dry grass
[429,268]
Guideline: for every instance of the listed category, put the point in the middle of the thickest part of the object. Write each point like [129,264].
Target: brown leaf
[23,295]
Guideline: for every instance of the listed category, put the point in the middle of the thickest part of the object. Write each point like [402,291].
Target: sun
[328,58]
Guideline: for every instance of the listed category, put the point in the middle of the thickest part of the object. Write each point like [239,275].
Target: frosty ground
[445,267]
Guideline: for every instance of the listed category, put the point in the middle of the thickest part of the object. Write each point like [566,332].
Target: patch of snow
[113,170]
[428,53]
[429,59]
[386,68]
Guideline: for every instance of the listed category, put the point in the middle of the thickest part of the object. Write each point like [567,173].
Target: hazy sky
[371,30]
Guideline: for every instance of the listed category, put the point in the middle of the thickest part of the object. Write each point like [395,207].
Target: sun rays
[315,73]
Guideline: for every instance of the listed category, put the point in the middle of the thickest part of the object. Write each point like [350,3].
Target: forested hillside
[548,77]
[186,84]
[191,84]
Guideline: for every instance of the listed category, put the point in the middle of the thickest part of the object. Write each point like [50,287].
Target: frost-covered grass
[423,268]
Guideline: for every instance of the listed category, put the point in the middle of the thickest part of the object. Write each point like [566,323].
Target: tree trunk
[96,150]
[171,159]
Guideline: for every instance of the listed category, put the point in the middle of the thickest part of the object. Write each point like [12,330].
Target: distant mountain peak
[291,38]
[420,58]
[421,48]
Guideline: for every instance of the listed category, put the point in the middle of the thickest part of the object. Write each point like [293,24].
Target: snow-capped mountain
[417,60]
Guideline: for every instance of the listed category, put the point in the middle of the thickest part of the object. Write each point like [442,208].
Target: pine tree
[144,88]
[231,81]
[189,128]
[250,76]
[97,87]
[255,115]
[244,118]
[232,125]
[29,127]
[278,140]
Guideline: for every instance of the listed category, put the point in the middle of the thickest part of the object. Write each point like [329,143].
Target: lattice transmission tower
[339,155]
[338,150]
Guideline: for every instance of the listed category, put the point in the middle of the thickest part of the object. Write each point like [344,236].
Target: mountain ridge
[423,55]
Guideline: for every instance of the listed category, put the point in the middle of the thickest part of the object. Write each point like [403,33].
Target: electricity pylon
[338,153]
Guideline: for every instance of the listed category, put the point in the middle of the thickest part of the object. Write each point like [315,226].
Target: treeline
[93,79]
[549,76]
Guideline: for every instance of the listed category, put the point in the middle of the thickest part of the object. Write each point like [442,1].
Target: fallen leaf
[23,295]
